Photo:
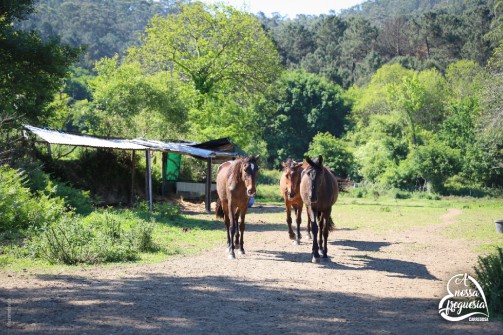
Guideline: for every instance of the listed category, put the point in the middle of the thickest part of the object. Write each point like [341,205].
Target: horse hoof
[296,242]
[231,256]
[309,237]
[325,258]
[241,252]
[292,237]
[315,259]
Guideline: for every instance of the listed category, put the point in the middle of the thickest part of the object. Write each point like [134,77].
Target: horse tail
[219,210]
[331,224]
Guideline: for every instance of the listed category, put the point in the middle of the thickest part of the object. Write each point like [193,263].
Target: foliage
[489,271]
[306,104]
[216,48]
[133,103]
[20,209]
[435,163]
[106,28]
[30,69]
[100,237]
[335,152]
[78,200]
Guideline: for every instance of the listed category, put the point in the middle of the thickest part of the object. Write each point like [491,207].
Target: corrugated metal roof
[183,149]
[56,137]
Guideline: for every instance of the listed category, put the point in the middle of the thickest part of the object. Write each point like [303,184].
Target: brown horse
[236,183]
[319,191]
[290,190]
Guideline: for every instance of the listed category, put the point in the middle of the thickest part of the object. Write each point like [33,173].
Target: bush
[335,152]
[74,198]
[103,236]
[489,271]
[269,177]
[20,209]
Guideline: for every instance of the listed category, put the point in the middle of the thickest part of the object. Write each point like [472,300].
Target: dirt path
[385,284]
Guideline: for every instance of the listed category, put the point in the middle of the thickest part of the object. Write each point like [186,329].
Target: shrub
[103,236]
[269,177]
[20,209]
[489,271]
[335,152]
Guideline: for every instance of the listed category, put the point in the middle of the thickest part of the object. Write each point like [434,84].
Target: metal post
[149,180]
[131,197]
[208,185]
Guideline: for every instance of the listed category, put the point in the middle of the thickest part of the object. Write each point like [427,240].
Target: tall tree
[305,105]
[222,56]
[31,70]
[214,48]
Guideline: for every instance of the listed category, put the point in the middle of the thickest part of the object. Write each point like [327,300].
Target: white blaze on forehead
[252,167]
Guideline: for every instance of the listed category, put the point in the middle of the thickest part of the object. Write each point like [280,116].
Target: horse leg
[308,229]
[315,253]
[242,230]
[325,236]
[288,207]
[232,255]
[321,220]
[225,209]
[298,220]
[236,243]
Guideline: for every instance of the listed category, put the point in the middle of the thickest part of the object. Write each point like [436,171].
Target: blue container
[251,201]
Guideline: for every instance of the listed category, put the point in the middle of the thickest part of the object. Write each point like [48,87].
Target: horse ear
[256,157]
[283,164]
[310,162]
[320,160]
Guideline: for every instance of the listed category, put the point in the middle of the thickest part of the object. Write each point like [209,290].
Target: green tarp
[173,167]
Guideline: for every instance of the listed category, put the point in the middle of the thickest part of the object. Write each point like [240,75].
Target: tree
[358,41]
[305,105]
[31,70]
[216,49]
[335,152]
[224,61]
[133,103]
[106,28]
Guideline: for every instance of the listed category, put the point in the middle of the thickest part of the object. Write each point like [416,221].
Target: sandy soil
[372,284]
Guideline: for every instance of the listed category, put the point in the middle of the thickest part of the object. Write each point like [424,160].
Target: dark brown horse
[236,183]
[290,190]
[319,191]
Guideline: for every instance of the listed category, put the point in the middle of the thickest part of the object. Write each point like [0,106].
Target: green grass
[178,234]
[268,193]
[476,224]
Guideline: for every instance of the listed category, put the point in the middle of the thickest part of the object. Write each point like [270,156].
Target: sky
[289,8]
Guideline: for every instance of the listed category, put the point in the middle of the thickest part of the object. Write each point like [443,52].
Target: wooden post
[131,196]
[208,185]
[149,180]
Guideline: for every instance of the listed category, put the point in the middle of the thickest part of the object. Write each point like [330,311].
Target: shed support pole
[149,180]
[208,185]
[131,197]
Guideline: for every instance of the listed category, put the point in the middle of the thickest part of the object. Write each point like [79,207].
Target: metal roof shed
[56,137]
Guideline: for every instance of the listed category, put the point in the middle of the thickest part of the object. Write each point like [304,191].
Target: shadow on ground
[160,304]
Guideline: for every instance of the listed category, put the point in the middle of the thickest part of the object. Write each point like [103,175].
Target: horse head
[292,177]
[312,177]
[249,169]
